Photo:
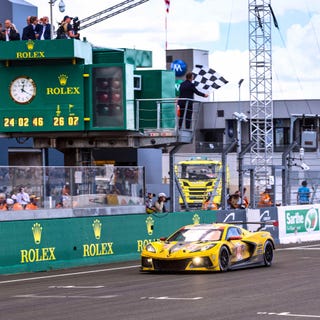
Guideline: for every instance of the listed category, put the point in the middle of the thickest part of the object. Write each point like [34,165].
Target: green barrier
[46,244]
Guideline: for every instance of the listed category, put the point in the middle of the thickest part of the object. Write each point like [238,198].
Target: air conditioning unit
[137,82]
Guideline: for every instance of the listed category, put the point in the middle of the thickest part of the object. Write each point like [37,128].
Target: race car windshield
[189,235]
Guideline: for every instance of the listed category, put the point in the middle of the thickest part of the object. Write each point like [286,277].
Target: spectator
[265,198]
[33,30]
[25,29]
[23,197]
[187,90]
[243,200]
[303,196]
[10,204]
[10,32]
[59,205]
[32,205]
[65,196]
[208,203]
[159,204]
[46,29]
[234,201]
[3,203]
[65,31]
[16,205]
[66,189]
[149,206]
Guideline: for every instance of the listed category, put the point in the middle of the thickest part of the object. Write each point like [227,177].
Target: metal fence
[297,169]
[69,187]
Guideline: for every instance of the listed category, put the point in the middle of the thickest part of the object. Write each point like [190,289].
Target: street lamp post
[62,8]
[51,3]
[240,117]
[239,121]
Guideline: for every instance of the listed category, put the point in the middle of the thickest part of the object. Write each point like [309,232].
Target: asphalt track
[290,289]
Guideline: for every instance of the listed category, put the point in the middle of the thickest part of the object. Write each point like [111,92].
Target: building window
[169,59]
[220,113]
[281,138]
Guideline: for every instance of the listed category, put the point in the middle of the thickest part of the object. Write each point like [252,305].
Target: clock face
[23,90]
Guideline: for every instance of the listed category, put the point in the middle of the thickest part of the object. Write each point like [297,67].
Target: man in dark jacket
[9,33]
[33,30]
[46,29]
[187,90]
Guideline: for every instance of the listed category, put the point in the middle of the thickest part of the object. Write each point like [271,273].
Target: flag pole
[166,31]
[167,3]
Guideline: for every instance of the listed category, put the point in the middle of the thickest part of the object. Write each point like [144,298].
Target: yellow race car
[209,247]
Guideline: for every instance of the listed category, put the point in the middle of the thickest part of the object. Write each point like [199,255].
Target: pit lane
[289,289]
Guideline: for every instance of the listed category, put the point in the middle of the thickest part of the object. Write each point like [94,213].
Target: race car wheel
[268,254]
[224,259]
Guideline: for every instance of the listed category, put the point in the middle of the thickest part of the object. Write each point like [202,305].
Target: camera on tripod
[75,25]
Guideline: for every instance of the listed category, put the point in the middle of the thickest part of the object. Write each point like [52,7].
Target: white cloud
[233,66]
[281,7]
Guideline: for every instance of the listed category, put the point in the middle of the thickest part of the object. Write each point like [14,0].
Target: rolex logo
[63,79]
[36,230]
[97,228]
[30,45]
[196,219]
[150,224]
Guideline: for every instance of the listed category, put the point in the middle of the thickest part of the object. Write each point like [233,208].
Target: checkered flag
[206,78]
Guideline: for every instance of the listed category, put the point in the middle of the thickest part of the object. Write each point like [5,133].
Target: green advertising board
[302,220]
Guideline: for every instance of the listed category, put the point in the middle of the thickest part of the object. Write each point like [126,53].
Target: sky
[220,27]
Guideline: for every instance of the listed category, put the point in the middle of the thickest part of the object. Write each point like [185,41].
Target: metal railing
[164,114]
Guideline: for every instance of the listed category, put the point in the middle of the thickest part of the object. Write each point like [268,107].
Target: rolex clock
[23,90]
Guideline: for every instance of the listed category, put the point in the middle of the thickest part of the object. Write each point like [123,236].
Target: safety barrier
[39,244]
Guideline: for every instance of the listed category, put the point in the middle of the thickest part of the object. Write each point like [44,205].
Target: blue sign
[179,67]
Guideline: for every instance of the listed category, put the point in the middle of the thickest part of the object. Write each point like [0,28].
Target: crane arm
[111,12]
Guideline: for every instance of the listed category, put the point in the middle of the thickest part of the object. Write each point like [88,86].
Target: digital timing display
[25,122]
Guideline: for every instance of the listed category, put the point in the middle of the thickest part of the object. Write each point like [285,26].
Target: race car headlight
[150,248]
[201,262]
[203,248]
[197,261]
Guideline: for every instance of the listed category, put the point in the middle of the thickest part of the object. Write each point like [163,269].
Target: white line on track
[68,274]
[171,298]
[307,247]
[288,314]
[75,287]
[63,296]
[299,248]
